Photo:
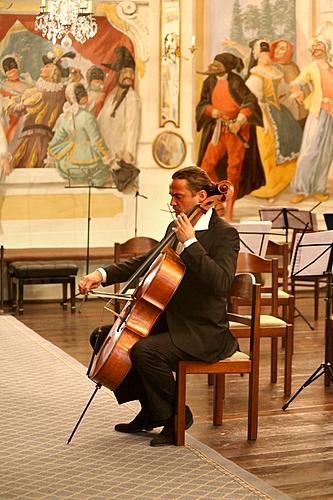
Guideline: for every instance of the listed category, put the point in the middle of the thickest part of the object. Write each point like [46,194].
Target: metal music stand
[313,256]
[88,184]
[290,218]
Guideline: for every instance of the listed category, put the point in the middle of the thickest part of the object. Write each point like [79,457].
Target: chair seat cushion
[281,295]
[265,321]
[41,269]
[237,356]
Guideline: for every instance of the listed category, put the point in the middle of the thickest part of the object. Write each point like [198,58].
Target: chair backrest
[133,247]
[280,250]
[245,287]
[250,263]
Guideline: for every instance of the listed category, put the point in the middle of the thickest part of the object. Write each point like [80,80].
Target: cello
[162,273]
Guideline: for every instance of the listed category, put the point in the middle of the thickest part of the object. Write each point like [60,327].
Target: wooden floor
[294,449]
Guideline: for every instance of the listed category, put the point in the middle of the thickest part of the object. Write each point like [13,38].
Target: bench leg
[72,286]
[20,296]
[64,295]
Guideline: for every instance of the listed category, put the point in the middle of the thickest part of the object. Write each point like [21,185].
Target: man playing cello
[193,325]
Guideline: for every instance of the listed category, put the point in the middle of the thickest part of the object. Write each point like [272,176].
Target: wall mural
[74,109]
[295,105]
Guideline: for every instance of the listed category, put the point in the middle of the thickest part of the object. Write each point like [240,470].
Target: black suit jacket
[196,313]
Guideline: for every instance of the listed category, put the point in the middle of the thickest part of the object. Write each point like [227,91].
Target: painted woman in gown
[280,139]
[77,149]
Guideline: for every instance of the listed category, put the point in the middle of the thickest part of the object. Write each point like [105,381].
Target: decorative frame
[169,149]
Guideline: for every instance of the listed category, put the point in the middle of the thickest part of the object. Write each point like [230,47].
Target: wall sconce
[171,48]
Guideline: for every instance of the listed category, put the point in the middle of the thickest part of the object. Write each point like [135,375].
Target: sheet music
[254,236]
[311,254]
[289,217]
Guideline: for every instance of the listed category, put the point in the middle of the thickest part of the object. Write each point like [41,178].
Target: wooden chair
[280,250]
[133,247]
[270,324]
[244,287]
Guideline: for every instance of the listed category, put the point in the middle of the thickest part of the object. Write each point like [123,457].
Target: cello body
[137,319]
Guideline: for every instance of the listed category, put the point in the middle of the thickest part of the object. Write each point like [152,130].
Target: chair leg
[218,398]
[252,417]
[211,378]
[274,359]
[181,396]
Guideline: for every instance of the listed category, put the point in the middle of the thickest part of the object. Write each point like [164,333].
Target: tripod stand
[325,368]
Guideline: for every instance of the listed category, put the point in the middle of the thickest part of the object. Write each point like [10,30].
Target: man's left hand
[235,127]
[184,229]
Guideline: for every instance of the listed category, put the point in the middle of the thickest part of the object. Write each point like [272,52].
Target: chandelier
[59,19]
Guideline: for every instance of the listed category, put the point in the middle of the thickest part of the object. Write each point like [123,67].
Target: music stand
[85,174]
[253,236]
[290,218]
[313,256]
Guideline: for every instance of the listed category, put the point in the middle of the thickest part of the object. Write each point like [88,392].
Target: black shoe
[167,434]
[138,424]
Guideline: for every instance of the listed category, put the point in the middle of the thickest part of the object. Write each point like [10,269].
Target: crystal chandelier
[58,19]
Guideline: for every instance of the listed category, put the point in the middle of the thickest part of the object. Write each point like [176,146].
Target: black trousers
[151,378]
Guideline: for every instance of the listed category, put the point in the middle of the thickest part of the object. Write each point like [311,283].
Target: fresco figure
[227,113]
[77,148]
[119,118]
[282,56]
[11,89]
[4,155]
[41,106]
[280,139]
[317,146]
[95,77]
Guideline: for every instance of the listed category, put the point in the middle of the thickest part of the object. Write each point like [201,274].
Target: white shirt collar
[203,222]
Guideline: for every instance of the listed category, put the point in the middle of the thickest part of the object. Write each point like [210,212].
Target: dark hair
[196,178]
[9,63]
[95,73]
[80,91]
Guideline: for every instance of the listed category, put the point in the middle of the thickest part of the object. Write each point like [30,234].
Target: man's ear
[202,195]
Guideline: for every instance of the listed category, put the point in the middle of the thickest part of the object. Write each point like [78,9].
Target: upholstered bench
[32,273]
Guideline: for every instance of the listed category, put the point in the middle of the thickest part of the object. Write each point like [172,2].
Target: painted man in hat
[316,152]
[11,89]
[119,119]
[95,77]
[228,113]
[41,106]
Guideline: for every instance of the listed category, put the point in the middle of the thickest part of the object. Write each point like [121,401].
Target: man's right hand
[90,282]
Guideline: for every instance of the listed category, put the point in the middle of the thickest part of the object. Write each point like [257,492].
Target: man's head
[189,187]
[320,48]
[224,63]
[126,77]
[95,77]
[124,65]
[50,72]
[10,67]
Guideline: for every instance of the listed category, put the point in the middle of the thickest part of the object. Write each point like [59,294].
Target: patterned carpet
[43,392]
